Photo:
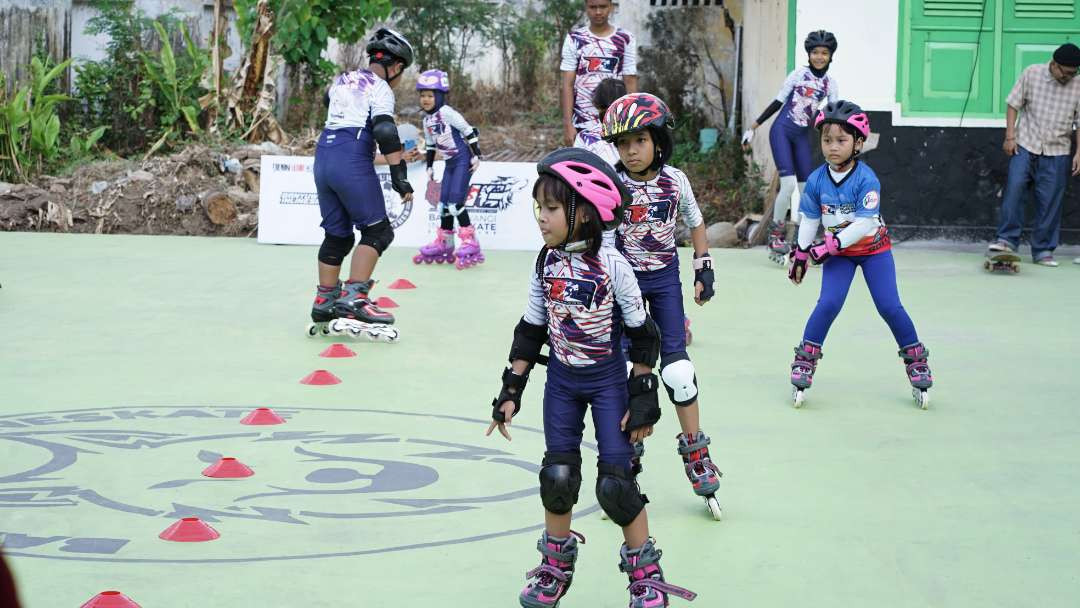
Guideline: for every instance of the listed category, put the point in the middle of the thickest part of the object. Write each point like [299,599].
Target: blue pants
[1046,175]
[879,270]
[350,194]
[662,293]
[790,149]
[568,392]
[455,179]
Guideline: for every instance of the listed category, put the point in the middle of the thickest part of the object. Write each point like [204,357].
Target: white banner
[499,204]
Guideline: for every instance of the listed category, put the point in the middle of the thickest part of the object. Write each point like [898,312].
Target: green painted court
[127,363]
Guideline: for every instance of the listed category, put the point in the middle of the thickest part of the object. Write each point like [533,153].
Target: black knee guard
[618,493]
[560,480]
[333,250]
[378,236]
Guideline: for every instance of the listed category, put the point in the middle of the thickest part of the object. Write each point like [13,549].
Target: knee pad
[454,209]
[618,494]
[333,250]
[680,380]
[560,480]
[378,236]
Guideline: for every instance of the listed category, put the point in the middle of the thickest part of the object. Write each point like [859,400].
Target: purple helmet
[433,80]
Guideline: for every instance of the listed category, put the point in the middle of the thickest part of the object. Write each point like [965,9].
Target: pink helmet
[844,112]
[433,80]
[591,177]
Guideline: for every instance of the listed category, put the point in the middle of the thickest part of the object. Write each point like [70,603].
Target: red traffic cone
[402,284]
[320,377]
[110,599]
[228,468]
[262,415]
[189,530]
[385,302]
[337,350]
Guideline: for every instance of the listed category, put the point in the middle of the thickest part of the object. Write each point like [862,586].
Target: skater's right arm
[568,70]
[530,335]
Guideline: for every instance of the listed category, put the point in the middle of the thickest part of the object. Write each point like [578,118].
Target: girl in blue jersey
[582,297]
[845,196]
[640,126]
[360,114]
[447,132]
[805,90]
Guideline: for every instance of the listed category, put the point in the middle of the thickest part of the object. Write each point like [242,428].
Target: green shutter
[953,8]
[1044,9]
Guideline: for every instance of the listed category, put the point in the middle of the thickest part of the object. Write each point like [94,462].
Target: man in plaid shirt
[1047,99]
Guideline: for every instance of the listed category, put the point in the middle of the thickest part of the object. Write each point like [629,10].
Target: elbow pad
[644,342]
[385,133]
[528,340]
[430,157]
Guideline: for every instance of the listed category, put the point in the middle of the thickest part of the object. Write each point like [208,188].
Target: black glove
[399,179]
[510,380]
[703,273]
[644,402]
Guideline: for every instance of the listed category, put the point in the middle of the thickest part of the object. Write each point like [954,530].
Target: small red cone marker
[385,302]
[402,284]
[228,468]
[320,377]
[189,530]
[337,350]
[110,599]
[262,415]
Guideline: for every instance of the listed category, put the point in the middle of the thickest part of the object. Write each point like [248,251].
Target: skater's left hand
[507,410]
[1076,165]
[703,279]
[474,164]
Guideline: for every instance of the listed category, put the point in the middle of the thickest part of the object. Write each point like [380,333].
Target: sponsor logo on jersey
[576,292]
[607,65]
[653,212]
[870,201]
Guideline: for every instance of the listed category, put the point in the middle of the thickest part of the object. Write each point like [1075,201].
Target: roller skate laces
[647,586]
[700,470]
[550,581]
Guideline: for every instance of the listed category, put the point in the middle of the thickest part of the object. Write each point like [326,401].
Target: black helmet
[820,38]
[388,41]
[843,112]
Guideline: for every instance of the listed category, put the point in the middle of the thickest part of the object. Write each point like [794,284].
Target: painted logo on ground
[397,210]
[100,484]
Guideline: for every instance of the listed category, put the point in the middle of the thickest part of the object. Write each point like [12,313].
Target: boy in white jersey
[640,126]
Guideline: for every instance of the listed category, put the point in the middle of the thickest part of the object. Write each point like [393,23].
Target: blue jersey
[838,204]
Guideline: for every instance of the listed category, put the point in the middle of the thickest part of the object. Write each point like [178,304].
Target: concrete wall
[764,61]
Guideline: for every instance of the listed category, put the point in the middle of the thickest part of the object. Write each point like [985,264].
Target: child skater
[606,92]
[844,195]
[582,297]
[805,89]
[447,131]
[640,126]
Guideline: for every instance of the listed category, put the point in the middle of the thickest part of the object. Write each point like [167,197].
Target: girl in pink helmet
[844,195]
[582,298]
[447,132]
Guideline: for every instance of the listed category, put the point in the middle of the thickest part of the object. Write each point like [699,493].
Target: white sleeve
[855,231]
[629,62]
[457,121]
[382,99]
[569,56]
[834,90]
[808,231]
[789,86]
[429,137]
[627,292]
[688,206]
[536,312]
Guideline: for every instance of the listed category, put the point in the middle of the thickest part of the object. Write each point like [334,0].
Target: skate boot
[778,247]
[322,309]
[440,250]
[469,253]
[803,368]
[700,470]
[359,318]
[549,581]
[647,586]
[918,372]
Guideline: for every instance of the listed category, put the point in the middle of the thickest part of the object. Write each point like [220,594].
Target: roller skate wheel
[417,259]
[452,258]
[798,395]
[714,507]
[922,398]
[313,330]
[428,260]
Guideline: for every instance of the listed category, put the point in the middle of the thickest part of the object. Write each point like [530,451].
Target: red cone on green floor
[189,530]
[110,599]
[320,377]
[385,302]
[402,284]
[337,350]
[262,415]
[228,468]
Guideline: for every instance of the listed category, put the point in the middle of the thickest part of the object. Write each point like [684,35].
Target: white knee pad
[788,184]
[680,381]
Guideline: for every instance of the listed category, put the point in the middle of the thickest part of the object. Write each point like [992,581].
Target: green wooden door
[1031,30]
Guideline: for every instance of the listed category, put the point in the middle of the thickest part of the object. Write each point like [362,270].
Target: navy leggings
[879,270]
[790,149]
[568,392]
[662,292]
[350,193]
